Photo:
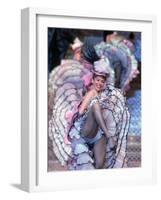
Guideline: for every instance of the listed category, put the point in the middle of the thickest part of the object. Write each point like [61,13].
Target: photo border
[29,94]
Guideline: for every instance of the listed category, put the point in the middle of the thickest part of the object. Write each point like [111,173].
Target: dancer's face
[99,83]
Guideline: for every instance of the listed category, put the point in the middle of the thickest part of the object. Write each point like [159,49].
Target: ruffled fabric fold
[120,53]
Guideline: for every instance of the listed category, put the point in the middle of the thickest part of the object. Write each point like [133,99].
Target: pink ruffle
[87,78]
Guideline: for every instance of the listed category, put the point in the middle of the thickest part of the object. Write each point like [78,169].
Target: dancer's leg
[90,127]
[99,151]
[99,118]
[100,121]
[93,121]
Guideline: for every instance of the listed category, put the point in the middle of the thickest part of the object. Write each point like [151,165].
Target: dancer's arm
[86,101]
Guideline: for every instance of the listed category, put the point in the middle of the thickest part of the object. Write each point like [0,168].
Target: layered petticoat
[67,86]
[120,53]
[116,117]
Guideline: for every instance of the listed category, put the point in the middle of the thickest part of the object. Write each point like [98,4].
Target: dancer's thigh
[90,127]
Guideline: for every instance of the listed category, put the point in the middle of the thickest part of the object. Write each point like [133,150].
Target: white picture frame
[34,176]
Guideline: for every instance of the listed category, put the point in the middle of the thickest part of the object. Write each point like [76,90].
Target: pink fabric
[87,78]
[69,116]
[66,141]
